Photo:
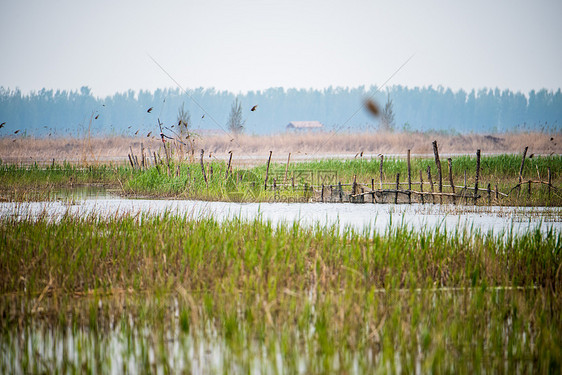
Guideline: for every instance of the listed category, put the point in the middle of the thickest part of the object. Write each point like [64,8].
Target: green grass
[164,292]
[187,180]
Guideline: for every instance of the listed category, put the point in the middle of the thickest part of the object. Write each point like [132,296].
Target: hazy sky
[241,45]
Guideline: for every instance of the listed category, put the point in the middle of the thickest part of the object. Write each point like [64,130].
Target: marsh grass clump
[145,293]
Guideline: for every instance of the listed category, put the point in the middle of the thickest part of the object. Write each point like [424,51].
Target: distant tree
[184,122]
[235,121]
[387,116]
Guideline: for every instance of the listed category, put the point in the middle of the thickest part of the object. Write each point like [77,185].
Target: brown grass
[303,146]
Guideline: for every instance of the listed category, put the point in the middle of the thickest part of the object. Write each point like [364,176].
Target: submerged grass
[142,293]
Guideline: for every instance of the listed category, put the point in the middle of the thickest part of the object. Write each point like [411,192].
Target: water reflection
[360,217]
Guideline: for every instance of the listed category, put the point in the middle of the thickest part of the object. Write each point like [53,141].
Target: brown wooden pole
[438,164]
[489,191]
[522,164]
[397,187]
[430,183]
[529,191]
[203,167]
[477,176]
[380,170]
[450,163]
[142,155]
[497,193]
[322,194]
[409,179]
[155,160]
[549,182]
[267,170]
[287,167]
[340,191]
[133,165]
[228,167]
[465,187]
[373,189]
[421,186]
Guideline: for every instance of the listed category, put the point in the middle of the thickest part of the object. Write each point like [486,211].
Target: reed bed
[169,293]
[97,150]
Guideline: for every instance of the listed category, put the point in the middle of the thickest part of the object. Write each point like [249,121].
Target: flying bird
[203,116]
[2,124]
[148,135]
[372,107]
[254,108]
[551,138]
[531,156]
[137,132]
[149,110]
[17,131]
[97,117]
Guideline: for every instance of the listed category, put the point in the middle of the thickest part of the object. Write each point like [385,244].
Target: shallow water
[360,217]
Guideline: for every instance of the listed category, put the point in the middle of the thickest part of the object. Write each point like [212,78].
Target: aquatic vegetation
[141,293]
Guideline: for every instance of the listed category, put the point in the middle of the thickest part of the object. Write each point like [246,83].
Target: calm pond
[361,217]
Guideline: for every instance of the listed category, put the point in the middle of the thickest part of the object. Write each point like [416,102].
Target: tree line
[62,113]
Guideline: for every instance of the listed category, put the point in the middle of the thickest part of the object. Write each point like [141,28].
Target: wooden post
[549,182]
[522,164]
[421,186]
[228,167]
[489,191]
[397,187]
[322,194]
[438,164]
[450,163]
[529,189]
[380,169]
[287,167]
[202,167]
[155,160]
[143,162]
[340,190]
[293,182]
[133,165]
[497,193]
[267,170]
[465,188]
[354,186]
[430,183]
[477,176]
[373,189]
[409,180]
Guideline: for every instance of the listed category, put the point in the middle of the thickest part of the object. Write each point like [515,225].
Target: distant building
[305,125]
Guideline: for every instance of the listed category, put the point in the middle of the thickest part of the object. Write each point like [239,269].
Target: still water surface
[360,217]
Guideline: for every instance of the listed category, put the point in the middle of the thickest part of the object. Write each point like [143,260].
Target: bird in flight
[149,110]
[149,133]
[17,131]
[137,132]
[2,124]
[97,117]
[372,107]
[254,108]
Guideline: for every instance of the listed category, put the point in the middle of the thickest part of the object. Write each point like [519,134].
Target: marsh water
[127,344]
[360,217]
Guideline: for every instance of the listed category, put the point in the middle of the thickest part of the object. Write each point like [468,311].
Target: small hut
[305,125]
